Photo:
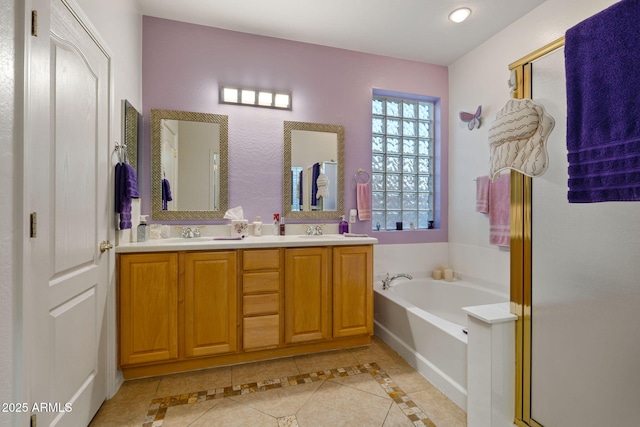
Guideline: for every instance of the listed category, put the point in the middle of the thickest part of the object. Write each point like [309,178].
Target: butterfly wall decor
[472,120]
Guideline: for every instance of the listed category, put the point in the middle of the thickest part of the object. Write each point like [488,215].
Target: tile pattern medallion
[158,409]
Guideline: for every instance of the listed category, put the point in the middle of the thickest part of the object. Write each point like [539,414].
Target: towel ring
[360,172]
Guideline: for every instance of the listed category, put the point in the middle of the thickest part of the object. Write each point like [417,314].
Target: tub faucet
[386,283]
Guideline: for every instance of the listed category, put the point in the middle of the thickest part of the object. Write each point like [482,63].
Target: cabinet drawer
[261,304]
[261,332]
[264,259]
[261,282]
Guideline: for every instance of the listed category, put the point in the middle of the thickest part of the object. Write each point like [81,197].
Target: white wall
[583,378]
[415,258]
[480,78]
[8,212]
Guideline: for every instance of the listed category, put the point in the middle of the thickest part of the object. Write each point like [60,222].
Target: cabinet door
[148,292]
[307,295]
[352,291]
[210,308]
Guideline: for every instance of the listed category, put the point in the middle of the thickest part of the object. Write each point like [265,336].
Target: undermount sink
[174,240]
[320,236]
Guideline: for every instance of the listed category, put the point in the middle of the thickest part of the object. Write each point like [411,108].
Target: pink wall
[183,64]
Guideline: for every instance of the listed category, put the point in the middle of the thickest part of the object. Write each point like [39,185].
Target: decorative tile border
[158,408]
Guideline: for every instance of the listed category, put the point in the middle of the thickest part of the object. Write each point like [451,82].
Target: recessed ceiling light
[460,14]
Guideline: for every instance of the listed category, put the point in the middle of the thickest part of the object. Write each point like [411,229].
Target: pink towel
[499,207]
[364,201]
[482,194]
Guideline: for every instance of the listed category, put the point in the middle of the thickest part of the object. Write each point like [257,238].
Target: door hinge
[34,23]
[33,225]
[33,420]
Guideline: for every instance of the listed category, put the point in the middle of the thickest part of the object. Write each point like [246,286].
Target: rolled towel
[323,186]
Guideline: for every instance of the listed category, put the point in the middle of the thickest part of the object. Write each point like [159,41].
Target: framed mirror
[313,172]
[189,165]
[132,125]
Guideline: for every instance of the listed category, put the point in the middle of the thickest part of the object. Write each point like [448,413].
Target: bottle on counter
[143,229]
[257,227]
[343,227]
[282,229]
[276,224]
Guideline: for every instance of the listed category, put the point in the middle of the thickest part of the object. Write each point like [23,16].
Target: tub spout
[386,282]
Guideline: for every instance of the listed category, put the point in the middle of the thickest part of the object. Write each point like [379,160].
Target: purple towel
[315,173]
[166,194]
[126,183]
[603,103]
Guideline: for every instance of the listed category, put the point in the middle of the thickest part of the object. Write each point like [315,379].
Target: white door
[66,185]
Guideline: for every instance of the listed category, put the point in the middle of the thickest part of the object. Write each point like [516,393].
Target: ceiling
[409,29]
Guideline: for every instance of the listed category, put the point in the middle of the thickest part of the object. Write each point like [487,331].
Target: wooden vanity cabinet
[184,310]
[148,307]
[307,295]
[210,303]
[352,291]
[261,299]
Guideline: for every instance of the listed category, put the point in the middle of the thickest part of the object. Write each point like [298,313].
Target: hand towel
[166,194]
[482,194]
[355,235]
[363,196]
[126,189]
[315,173]
[301,193]
[499,207]
[603,100]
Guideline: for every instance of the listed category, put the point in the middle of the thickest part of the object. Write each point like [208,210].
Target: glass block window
[402,162]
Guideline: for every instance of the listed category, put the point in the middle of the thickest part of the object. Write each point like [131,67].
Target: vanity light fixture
[459,14]
[229,94]
[256,98]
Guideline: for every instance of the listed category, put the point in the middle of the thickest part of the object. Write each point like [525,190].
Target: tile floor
[364,386]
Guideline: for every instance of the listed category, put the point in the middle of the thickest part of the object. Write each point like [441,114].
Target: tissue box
[239,227]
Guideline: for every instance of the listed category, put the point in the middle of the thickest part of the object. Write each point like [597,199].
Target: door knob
[105,245]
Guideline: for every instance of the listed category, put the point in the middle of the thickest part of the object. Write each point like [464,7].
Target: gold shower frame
[521,268]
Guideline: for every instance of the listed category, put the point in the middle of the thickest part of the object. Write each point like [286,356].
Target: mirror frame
[132,124]
[286,171]
[156,164]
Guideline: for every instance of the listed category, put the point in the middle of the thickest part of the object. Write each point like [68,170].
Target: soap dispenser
[257,226]
[343,227]
[143,230]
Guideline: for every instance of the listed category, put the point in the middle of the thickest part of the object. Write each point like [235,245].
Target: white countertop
[209,243]
[491,313]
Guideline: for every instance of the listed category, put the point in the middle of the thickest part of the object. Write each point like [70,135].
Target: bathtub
[422,319]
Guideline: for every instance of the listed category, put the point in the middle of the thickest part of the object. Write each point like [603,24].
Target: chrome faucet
[189,233]
[386,283]
[314,231]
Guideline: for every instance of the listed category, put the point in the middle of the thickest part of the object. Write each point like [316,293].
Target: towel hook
[121,151]
[360,172]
